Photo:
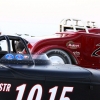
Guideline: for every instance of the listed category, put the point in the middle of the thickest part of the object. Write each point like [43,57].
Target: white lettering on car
[53,92]
[66,89]
[5,87]
[38,90]
[73,45]
[20,90]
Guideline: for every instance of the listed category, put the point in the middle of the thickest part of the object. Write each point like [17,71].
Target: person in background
[19,47]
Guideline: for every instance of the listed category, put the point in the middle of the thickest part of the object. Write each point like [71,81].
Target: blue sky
[42,17]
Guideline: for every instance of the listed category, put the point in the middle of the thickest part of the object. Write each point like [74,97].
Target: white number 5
[66,89]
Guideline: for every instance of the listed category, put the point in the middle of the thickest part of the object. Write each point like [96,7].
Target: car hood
[57,72]
[64,72]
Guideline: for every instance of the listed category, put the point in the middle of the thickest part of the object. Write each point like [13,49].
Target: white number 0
[39,89]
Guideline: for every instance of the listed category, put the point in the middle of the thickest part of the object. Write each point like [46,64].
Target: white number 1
[53,92]
[21,90]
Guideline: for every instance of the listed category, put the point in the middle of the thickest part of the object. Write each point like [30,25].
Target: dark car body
[66,82]
[25,78]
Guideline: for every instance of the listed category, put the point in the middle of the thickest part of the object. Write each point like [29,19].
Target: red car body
[81,48]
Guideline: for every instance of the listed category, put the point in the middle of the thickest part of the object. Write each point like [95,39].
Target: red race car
[75,44]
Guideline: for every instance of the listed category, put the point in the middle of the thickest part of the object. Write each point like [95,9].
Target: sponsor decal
[5,87]
[26,57]
[96,52]
[19,57]
[76,53]
[9,56]
[73,45]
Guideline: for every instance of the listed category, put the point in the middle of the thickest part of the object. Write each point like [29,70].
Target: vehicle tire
[57,56]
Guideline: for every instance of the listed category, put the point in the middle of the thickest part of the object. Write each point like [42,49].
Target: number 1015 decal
[39,89]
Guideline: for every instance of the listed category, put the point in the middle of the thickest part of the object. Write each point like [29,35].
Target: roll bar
[75,25]
[8,37]
[8,42]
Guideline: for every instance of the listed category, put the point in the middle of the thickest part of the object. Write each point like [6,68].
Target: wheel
[57,56]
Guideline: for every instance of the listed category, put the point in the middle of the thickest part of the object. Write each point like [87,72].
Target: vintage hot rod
[76,44]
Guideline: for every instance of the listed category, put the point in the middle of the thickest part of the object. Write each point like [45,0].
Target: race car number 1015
[38,87]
